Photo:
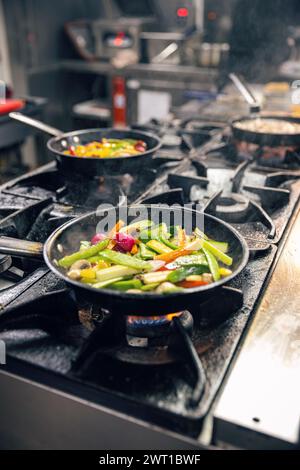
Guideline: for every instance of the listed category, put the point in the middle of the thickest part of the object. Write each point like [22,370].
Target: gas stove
[155,382]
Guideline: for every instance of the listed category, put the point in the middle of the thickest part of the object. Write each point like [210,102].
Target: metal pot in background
[169,48]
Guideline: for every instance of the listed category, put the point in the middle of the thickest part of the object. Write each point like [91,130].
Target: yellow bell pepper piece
[101,265]
[88,273]
[225,272]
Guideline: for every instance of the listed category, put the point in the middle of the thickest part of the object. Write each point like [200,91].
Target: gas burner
[246,215]
[161,347]
[276,157]
[232,208]
[137,339]
[90,193]
[198,131]
[147,328]
[168,340]
[155,340]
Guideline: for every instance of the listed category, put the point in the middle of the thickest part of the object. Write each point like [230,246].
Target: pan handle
[20,248]
[245,92]
[36,124]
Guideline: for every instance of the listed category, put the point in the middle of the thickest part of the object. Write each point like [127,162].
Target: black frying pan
[94,166]
[69,235]
[263,138]
[260,138]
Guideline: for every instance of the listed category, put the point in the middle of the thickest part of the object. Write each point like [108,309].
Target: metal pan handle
[36,124]
[245,92]
[20,248]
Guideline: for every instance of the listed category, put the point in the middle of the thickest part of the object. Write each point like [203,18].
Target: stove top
[81,348]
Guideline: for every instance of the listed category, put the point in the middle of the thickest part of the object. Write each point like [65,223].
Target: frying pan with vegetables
[66,240]
[263,130]
[61,144]
[267,130]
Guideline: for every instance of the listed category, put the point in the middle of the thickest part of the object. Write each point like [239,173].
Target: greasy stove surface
[163,390]
[52,335]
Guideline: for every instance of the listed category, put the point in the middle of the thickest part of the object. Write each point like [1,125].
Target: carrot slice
[168,257]
[181,237]
[111,245]
[134,250]
[190,284]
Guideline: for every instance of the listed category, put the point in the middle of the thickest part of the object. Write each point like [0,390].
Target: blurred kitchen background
[102,63]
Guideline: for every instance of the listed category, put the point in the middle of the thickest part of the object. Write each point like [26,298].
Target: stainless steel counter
[260,406]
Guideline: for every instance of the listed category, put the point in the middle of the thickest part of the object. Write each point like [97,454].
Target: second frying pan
[265,138]
[60,142]
[271,139]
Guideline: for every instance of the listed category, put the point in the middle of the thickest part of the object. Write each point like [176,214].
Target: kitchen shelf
[177,72]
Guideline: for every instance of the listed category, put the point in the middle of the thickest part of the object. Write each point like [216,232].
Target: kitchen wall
[5,72]
[36,43]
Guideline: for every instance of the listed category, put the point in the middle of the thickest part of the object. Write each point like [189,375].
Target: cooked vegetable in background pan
[108,148]
[269,126]
[142,257]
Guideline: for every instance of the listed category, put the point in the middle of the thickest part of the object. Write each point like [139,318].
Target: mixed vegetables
[269,126]
[107,148]
[142,257]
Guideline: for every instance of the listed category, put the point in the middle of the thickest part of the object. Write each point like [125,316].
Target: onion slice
[156,264]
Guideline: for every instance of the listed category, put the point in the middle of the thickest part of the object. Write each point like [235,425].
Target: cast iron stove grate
[258,201]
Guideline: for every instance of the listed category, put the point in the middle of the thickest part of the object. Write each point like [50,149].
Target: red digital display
[182,12]
[118,41]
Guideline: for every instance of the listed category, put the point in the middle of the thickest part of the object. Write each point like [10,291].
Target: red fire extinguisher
[119,101]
